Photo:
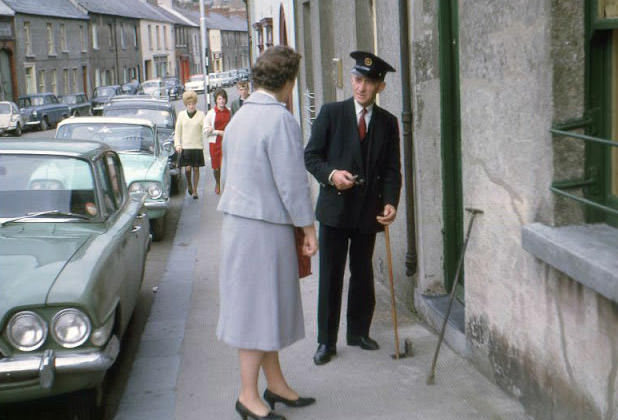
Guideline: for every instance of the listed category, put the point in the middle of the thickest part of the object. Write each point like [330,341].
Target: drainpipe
[408,139]
[249,40]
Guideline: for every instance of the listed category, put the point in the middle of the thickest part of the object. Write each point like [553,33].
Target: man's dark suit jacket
[335,144]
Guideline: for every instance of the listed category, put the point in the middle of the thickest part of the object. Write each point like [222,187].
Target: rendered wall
[546,339]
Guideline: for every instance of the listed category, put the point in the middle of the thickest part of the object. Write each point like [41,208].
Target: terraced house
[51,47]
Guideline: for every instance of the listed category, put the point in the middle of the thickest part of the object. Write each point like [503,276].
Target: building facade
[48,58]
[509,108]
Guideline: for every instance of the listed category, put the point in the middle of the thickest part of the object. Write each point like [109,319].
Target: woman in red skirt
[216,120]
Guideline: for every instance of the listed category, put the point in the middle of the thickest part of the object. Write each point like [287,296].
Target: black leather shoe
[272,398]
[245,412]
[324,353]
[365,342]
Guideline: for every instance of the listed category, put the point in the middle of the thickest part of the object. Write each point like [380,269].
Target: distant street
[155,267]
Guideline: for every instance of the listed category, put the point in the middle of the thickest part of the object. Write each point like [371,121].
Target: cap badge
[368,61]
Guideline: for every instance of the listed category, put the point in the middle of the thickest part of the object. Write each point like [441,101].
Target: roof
[55,8]
[136,9]
[6,10]
[183,19]
[217,19]
[75,148]
[106,120]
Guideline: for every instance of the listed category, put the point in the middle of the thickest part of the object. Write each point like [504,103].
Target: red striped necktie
[362,125]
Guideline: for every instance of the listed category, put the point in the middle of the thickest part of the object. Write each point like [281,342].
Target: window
[122,44]
[54,81]
[97,77]
[110,32]
[27,38]
[257,27]
[75,84]
[95,36]
[41,81]
[150,37]
[51,47]
[30,80]
[65,81]
[83,37]
[63,37]
[165,37]
[158,39]
[135,36]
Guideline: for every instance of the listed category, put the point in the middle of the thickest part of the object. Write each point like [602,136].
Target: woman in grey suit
[265,194]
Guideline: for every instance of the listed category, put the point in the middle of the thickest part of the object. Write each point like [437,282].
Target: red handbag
[304,262]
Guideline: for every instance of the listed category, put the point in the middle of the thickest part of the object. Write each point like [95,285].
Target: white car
[10,118]
[195,83]
[155,88]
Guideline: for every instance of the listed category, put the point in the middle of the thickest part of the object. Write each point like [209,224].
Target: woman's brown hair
[274,67]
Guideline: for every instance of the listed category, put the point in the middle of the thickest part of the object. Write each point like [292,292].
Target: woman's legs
[250,361]
[188,175]
[217,173]
[274,377]
[196,178]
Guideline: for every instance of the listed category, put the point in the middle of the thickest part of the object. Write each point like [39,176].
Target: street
[53,409]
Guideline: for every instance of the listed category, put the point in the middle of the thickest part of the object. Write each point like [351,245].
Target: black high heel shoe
[245,412]
[272,398]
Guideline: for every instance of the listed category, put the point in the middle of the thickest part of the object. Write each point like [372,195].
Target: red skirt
[215,153]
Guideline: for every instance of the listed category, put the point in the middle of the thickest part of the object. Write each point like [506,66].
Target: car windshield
[69,99]
[196,78]
[170,82]
[104,91]
[120,137]
[5,108]
[31,184]
[160,117]
[150,85]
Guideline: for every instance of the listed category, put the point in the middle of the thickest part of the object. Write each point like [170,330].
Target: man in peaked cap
[354,154]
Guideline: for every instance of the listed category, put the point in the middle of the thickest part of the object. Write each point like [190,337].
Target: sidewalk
[182,372]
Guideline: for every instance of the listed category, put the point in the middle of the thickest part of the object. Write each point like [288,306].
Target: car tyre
[157,227]
[17,130]
[44,124]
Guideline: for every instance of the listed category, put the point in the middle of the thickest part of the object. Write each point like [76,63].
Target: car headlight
[26,331]
[34,113]
[70,328]
[153,189]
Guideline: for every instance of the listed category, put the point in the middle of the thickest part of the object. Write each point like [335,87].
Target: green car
[143,156]
[73,245]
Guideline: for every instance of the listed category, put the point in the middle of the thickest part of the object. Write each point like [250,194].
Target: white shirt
[359,109]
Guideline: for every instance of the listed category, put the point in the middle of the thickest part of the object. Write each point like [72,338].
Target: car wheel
[157,227]
[17,130]
[44,124]
[84,405]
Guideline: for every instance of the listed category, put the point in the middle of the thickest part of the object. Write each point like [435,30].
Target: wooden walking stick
[389,261]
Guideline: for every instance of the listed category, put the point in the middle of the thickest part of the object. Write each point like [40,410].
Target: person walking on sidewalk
[214,126]
[353,152]
[265,195]
[188,140]
[243,91]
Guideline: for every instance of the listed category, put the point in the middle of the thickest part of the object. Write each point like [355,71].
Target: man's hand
[388,215]
[343,180]
[178,149]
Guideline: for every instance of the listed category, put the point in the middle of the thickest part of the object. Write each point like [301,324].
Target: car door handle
[136,228]
[140,216]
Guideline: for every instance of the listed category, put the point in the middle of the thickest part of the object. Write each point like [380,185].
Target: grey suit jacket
[263,174]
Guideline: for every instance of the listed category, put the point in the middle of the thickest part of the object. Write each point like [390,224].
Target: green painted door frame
[450,125]
[598,91]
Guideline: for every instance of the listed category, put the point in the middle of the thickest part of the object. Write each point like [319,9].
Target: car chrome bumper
[47,365]
[157,205]
[36,122]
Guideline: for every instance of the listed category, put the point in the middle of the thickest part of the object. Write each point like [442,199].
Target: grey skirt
[260,305]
